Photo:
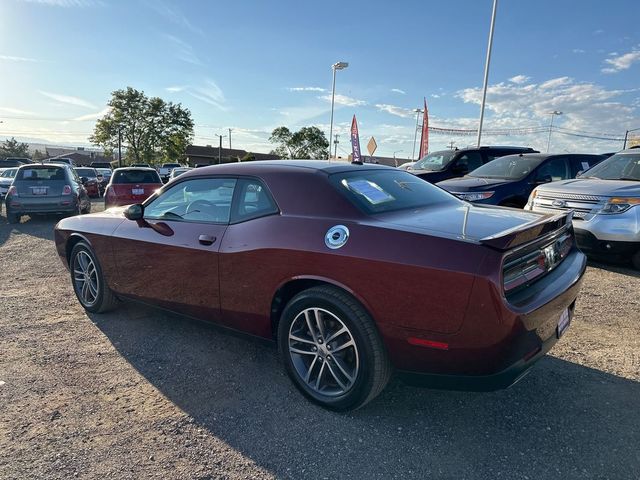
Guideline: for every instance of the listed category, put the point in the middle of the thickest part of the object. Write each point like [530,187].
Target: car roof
[142,169]
[267,166]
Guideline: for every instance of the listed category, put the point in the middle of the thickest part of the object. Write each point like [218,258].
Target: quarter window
[206,200]
[556,168]
[253,201]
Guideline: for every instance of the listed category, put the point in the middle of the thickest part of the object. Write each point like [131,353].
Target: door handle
[206,239]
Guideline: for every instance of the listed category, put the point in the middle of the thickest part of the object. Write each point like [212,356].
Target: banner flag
[355,142]
[424,140]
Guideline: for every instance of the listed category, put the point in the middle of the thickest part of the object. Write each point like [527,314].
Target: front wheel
[88,281]
[331,349]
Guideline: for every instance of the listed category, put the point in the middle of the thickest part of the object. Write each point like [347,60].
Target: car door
[170,257]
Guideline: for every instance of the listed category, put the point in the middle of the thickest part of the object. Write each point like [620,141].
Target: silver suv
[606,206]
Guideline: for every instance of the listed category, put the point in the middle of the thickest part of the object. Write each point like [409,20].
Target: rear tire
[12,217]
[332,350]
[88,281]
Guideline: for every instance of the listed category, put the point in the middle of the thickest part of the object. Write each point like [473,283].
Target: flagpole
[486,69]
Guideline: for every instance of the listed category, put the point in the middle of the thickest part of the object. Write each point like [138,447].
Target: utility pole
[415,133]
[335,143]
[626,137]
[219,149]
[451,145]
[230,138]
[119,146]
[486,69]
[553,114]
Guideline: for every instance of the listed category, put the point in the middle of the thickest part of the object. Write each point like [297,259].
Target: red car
[354,270]
[90,180]
[131,185]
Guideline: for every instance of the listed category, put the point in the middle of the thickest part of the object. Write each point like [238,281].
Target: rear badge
[336,237]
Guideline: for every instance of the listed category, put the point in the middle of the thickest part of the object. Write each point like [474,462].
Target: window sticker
[369,190]
[585,165]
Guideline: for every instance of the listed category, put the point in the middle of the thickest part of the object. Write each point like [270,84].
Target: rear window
[41,173]
[136,176]
[380,191]
[86,172]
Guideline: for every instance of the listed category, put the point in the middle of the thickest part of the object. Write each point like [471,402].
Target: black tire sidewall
[364,382]
[82,246]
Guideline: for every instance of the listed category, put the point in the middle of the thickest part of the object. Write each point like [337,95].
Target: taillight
[13,191]
[66,190]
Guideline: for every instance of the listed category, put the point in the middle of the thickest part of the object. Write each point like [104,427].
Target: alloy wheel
[85,277]
[323,352]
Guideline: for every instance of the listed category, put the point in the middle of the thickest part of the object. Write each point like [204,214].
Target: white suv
[606,206]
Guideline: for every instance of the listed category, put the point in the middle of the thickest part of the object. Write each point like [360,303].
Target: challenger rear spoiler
[529,232]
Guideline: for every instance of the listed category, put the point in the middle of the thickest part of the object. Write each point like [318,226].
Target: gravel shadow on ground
[554,421]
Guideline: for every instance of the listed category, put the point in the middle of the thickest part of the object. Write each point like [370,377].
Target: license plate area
[137,191]
[563,322]
[39,190]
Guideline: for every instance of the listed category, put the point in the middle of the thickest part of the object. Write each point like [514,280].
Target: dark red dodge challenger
[354,270]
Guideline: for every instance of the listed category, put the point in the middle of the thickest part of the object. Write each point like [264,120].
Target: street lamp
[553,114]
[626,135]
[486,69]
[334,67]
[415,133]
[395,162]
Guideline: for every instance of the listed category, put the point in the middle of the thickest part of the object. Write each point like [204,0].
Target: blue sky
[253,66]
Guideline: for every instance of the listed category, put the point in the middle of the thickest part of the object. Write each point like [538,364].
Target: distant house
[208,155]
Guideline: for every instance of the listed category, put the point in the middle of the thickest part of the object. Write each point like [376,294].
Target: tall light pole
[415,133]
[395,162]
[486,69]
[230,138]
[626,136]
[553,114]
[219,148]
[334,67]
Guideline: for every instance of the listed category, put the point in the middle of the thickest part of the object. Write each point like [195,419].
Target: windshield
[435,161]
[9,173]
[136,176]
[379,191]
[621,166]
[106,172]
[86,172]
[511,167]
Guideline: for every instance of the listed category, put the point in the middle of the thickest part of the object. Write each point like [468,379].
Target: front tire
[88,281]
[331,349]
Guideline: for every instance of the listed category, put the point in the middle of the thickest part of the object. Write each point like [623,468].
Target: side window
[206,200]
[74,176]
[556,168]
[253,200]
[582,164]
[470,160]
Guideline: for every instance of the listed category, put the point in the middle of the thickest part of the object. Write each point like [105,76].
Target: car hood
[466,184]
[6,181]
[606,188]
[463,221]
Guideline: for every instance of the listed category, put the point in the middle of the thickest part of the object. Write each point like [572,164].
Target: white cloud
[67,99]
[183,50]
[176,88]
[306,89]
[12,58]
[435,95]
[344,100]
[209,93]
[16,111]
[578,50]
[518,79]
[555,82]
[621,62]
[93,116]
[173,14]
[395,110]
[397,90]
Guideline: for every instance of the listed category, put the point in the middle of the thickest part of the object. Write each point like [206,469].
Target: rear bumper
[26,206]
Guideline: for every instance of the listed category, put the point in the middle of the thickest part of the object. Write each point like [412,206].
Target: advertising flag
[355,142]
[424,140]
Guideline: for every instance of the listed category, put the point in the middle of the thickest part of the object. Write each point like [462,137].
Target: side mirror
[461,168]
[84,180]
[544,179]
[134,212]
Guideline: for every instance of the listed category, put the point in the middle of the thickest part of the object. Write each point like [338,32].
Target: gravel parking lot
[140,393]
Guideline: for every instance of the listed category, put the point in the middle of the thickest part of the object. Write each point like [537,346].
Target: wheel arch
[291,287]
[72,241]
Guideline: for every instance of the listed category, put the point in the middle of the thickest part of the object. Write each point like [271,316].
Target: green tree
[38,156]
[308,142]
[14,148]
[151,128]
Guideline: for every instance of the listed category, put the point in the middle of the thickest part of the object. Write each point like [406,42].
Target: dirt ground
[139,393]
